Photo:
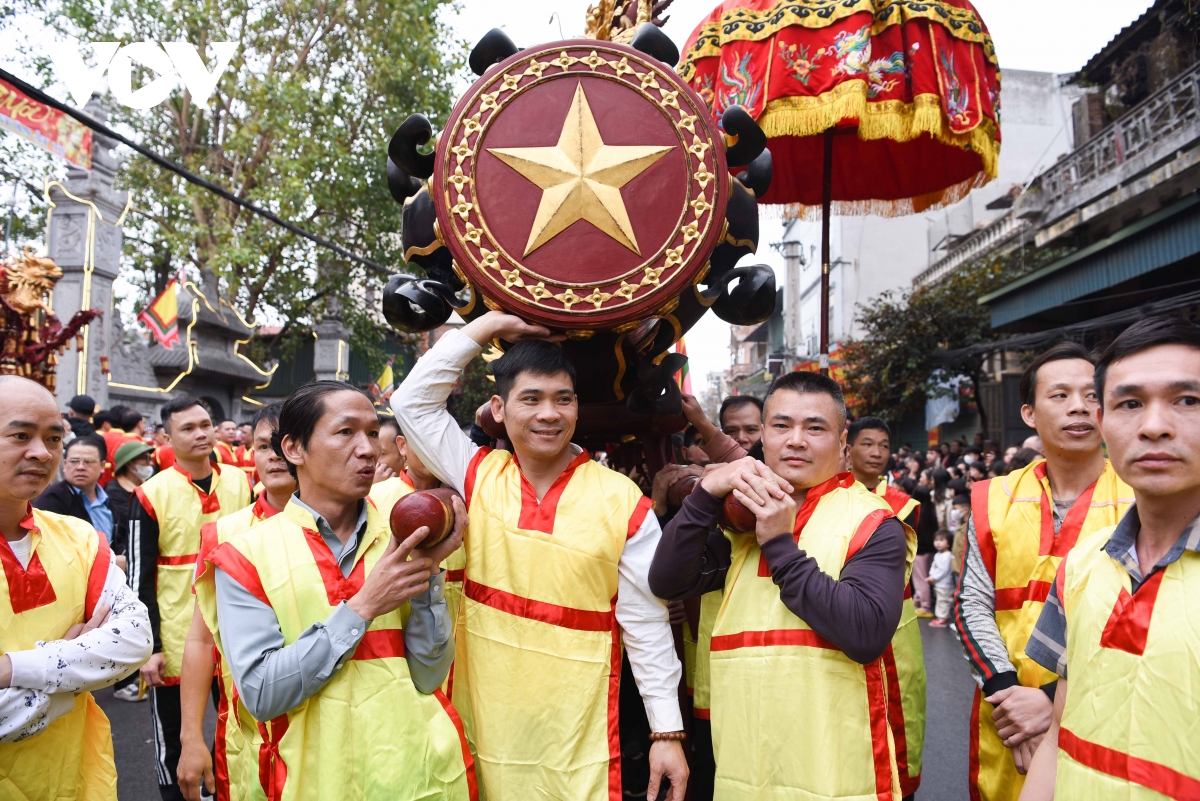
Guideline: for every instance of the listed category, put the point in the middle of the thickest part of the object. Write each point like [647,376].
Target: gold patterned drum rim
[599,93]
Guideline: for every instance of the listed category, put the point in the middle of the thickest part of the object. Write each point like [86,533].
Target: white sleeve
[648,639]
[24,713]
[99,658]
[419,404]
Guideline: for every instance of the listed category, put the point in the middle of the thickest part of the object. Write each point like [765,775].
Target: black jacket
[60,498]
[80,427]
[118,501]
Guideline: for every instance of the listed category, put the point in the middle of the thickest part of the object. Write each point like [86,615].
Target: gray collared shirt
[272,677]
[1048,643]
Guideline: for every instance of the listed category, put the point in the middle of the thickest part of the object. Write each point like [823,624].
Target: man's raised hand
[509,327]
[724,479]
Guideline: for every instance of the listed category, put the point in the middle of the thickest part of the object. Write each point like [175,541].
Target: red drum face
[582,186]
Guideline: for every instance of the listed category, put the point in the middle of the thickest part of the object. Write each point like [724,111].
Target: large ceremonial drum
[581,185]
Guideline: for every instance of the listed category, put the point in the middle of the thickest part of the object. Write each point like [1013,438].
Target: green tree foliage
[298,124]
[908,335]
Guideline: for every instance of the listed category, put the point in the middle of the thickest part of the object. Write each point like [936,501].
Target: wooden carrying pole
[826,201]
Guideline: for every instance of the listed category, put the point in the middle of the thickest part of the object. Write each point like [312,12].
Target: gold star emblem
[581,177]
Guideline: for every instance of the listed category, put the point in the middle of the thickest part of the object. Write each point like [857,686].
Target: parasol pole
[826,201]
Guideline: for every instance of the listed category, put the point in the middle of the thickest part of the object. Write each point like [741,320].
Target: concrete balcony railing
[1154,130]
[991,237]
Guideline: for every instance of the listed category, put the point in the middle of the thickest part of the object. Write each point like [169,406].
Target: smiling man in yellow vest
[232,769]
[1122,614]
[336,640]
[812,599]
[1021,526]
[164,541]
[869,447]
[557,550]
[68,623]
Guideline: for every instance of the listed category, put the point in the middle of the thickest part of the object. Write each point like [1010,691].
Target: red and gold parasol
[885,107]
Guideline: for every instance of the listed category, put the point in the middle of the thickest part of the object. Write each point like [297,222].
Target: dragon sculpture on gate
[33,336]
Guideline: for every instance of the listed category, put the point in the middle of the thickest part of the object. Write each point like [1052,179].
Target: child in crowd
[960,516]
[942,579]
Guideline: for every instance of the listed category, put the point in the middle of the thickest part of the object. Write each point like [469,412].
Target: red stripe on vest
[644,505]
[176,561]
[28,587]
[145,502]
[272,770]
[765,639]
[1129,624]
[555,615]
[220,757]
[614,722]
[468,760]
[811,499]
[895,714]
[380,644]
[1013,598]
[539,515]
[97,576]
[338,588]
[239,568]
[973,750]
[472,470]
[908,591]
[1111,762]
[456,575]
[865,529]
[1061,544]
[881,754]
[701,712]
[983,525]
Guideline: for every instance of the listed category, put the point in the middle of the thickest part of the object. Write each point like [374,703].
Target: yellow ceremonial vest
[905,666]
[538,651]
[368,734]
[72,758]
[235,760]
[181,509]
[710,604]
[792,716]
[1128,727]
[387,492]
[1014,526]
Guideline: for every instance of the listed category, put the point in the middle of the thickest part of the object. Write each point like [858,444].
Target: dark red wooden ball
[677,492]
[424,508]
[736,517]
[494,428]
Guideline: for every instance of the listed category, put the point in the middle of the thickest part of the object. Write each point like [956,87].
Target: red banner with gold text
[46,127]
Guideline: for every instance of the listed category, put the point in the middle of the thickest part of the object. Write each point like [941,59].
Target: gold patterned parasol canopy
[911,90]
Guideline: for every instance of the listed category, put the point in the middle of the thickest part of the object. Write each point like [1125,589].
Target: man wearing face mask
[131,469]
[812,599]
[1020,527]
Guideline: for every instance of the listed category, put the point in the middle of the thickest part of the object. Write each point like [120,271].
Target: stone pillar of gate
[85,242]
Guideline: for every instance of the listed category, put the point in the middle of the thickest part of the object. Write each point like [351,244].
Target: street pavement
[946,735]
